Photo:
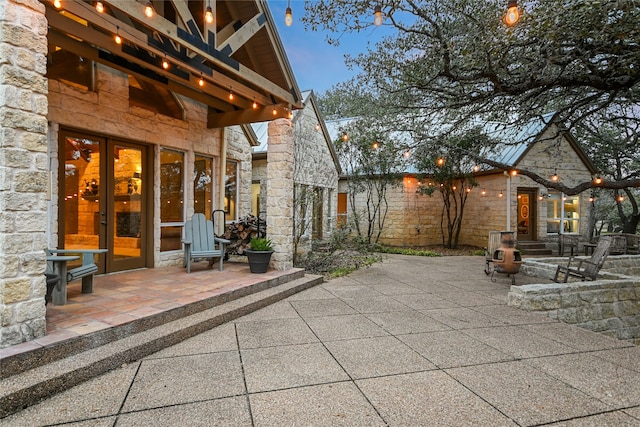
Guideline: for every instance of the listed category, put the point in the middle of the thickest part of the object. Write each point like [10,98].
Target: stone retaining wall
[610,305]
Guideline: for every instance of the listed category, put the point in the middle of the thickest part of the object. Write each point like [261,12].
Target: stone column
[24,177]
[280,193]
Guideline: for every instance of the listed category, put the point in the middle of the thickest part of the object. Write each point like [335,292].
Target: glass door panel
[81,194]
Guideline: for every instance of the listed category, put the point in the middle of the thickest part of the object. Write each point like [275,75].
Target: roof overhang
[240,53]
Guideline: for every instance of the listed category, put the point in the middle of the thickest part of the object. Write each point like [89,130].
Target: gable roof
[516,141]
[240,53]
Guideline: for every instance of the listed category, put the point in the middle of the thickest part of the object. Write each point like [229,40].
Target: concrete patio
[411,341]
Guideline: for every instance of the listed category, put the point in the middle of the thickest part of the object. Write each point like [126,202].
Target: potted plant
[259,254]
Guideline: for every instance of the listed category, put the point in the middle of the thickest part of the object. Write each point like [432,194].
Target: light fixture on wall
[288,16]
[117,37]
[99,7]
[377,16]
[148,10]
[208,14]
[513,14]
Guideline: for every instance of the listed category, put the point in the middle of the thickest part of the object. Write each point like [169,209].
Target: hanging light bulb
[501,194]
[592,197]
[290,114]
[620,198]
[317,126]
[57,4]
[597,180]
[406,154]
[476,168]
[208,14]
[377,16]
[201,81]
[148,10]
[255,104]
[100,7]
[555,177]
[274,111]
[288,16]
[345,137]
[513,172]
[231,96]
[165,63]
[375,145]
[513,14]
[440,162]
[483,192]
[117,37]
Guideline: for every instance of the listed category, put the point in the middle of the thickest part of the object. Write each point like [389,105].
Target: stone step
[27,381]
[532,248]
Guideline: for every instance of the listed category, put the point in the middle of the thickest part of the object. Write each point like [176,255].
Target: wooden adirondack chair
[586,269]
[201,243]
[494,243]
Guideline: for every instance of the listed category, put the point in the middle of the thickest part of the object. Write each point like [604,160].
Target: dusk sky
[315,63]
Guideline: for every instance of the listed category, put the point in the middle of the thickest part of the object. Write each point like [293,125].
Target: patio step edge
[31,386]
[22,362]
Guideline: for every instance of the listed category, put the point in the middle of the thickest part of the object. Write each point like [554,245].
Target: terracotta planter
[258,260]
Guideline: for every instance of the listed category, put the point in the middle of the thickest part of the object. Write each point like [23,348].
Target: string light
[100,7]
[597,180]
[288,16]
[148,10]
[117,37]
[165,63]
[201,81]
[513,14]
[317,127]
[57,4]
[513,172]
[255,104]
[275,111]
[208,15]
[230,95]
[476,168]
[555,177]
[375,145]
[440,162]
[345,137]
[377,16]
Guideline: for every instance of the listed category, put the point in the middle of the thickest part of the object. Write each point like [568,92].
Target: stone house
[316,171]
[118,125]
[500,201]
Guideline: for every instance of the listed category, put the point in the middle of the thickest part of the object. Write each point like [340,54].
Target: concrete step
[31,377]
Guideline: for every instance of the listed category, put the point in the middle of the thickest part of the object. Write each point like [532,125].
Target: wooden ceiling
[239,53]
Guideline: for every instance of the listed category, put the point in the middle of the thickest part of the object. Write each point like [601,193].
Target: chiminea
[507,259]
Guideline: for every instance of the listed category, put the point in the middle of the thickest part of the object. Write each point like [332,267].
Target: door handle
[103,222]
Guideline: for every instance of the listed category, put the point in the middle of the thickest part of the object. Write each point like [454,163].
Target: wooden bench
[57,263]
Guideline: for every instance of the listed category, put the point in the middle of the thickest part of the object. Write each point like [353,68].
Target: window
[563,213]
[171,199]
[70,68]
[203,186]
[231,190]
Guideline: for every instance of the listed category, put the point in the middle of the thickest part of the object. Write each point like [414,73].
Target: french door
[104,199]
[527,214]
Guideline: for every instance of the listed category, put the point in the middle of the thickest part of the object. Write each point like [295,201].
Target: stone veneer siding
[610,304]
[280,193]
[24,177]
[413,219]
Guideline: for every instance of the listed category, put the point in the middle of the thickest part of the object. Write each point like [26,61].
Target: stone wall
[106,111]
[610,305]
[414,220]
[24,177]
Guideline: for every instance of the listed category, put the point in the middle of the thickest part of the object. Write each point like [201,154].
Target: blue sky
[315,63]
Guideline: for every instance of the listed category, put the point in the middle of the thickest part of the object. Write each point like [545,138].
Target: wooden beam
[170,30]
[218,84]
[236,40]
[239,117]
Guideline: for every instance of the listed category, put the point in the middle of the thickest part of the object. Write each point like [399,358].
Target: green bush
[403,251]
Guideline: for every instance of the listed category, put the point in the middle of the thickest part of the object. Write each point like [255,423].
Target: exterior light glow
[117,37]
[57,4]
[513,172]
[476,168]
[201,81]
[513,14]
[555,177]
[377,16]
[440,162]
[288,16]
[208,15]
[100,7]
[255,104]
[375,145]
[597,180]
[274,110]
[345,137]
[148,10]
[165,63]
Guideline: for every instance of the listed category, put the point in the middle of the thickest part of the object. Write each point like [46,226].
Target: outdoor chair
[200,242]
[567,241]
[586,269]
[494,243]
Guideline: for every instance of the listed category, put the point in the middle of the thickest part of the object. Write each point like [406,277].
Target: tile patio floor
[119,298]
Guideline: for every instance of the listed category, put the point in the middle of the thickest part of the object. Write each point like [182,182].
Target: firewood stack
[242,231]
